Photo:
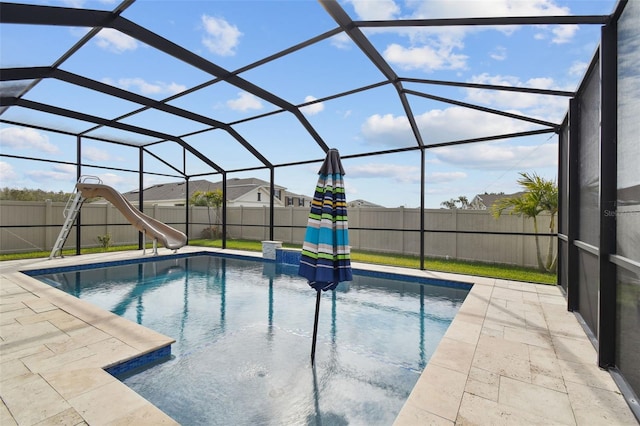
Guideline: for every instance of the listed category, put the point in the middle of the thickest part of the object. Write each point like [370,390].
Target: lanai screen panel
[563,204]
[628,209]
[588,182]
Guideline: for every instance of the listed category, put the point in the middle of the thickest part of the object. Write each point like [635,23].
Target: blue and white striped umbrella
[326,260]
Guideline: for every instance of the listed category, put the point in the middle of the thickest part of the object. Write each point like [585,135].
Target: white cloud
[545,107]
[499,156]
[7,173]
[112,180]
[499,53]
[146,88]
[26,138]
[244,102]
[375,10]
[92,153]
[444,177]
[58,172]
[115,41]
[437,125]
[424,58]
[388,130]
[563,33]
[578,69]
[314,108]
[395,172]
[221,37]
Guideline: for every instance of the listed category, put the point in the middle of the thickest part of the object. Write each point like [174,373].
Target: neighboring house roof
[485,201]
[361,203]
[238,191]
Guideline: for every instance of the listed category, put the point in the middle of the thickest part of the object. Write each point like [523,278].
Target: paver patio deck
[512,356]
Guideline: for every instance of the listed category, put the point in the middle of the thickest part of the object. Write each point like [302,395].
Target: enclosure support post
[78,174]
[141,242]
[573,287]
[608,196]
[422,210]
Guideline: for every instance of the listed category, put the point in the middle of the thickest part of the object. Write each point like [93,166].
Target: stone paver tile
[12,368]
[548,289]
[47,361]
[561,322]
[543,361]
[574,350]
[504,316]
[438,391]
[595,406]
[535,321]
[524,306]
[10,351]
[6,419]
[503,357]
[86,336]
[506,294]
[587,374]
[40,305]
[9,317]
[478,411]
[549,382]
[27,334]
[72,383]
[67,417]
[552,300]
[145,416]
[30,399]
[532,398]
[411,416]
[11,306]
[482,383]
[50,314]
[530,337]
[97,405]
[106,353]
[454,355]
[464,331]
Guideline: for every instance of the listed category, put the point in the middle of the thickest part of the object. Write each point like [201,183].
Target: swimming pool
[243,336]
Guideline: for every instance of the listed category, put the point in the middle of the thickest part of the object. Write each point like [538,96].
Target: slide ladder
[70,214]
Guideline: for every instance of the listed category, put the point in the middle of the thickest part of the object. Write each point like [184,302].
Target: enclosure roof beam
[340,16]
[13,101]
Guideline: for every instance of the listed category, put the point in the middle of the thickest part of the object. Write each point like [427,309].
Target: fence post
[48,219]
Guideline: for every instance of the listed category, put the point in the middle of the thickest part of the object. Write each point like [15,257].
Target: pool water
[243,339]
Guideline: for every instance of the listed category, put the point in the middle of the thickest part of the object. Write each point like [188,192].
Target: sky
[236,34]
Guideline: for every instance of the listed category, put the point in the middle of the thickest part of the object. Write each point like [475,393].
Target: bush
[104,240]
[210,233]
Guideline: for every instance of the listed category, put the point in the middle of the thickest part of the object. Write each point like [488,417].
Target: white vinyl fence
[454,234]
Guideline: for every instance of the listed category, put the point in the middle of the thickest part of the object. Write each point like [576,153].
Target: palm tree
[541,195]
[209,199]
[453,204]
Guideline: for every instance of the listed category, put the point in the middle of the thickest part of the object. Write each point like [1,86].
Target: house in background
[485,201]
[248,192]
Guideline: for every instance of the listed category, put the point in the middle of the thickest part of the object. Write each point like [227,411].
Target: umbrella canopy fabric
[326,258]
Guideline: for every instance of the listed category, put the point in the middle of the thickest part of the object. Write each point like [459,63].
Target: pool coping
[510,348]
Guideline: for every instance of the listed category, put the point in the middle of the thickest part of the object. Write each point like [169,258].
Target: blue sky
[234,34]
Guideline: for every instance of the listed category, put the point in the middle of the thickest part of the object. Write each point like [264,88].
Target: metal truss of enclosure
[599,181]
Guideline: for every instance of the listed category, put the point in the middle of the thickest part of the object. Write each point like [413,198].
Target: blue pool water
[243,338]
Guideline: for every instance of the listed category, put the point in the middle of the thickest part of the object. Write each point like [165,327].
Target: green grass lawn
[507,272]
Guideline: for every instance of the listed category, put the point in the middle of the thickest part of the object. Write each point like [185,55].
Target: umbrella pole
[315,330]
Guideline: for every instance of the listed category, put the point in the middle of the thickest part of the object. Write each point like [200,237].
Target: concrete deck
[513,355]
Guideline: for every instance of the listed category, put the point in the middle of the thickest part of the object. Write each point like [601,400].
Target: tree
[541,195]
[461,202]
[209,199]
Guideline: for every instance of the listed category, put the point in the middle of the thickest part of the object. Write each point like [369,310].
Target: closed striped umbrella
[325,261]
